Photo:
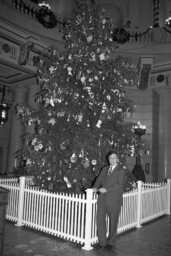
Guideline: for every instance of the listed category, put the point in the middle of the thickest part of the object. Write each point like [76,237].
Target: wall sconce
[3,109]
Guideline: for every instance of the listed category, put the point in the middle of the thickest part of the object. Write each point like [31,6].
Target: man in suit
[110,186]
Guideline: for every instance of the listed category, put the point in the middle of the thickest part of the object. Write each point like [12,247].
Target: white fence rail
[73,216]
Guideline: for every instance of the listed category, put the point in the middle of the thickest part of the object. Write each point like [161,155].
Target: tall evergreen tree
[84,111]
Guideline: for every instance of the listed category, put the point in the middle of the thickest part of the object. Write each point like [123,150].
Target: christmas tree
[84,111]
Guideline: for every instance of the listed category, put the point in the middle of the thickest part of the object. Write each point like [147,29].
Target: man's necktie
[110,170]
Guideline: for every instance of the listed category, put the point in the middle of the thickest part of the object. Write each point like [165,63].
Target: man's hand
[94,190]
[102,190]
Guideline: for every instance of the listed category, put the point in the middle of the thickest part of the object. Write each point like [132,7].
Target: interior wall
[145,14]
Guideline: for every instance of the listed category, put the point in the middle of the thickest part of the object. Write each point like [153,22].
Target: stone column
[164,134]
[17,129]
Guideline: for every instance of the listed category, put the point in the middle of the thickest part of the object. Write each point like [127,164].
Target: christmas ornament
[98,125]
[93,162]
[81,155]
[80,117]
[108,97]
[52,69]
[28,162]
[73,158]
[93,56]
[69,71]
[70,57]
[51,101]
[85,163]
[102,56]
[103,108]
[83,79]
[34,141]
[89,38]
[64,145]
[103,21]
[67,182]
[52,121]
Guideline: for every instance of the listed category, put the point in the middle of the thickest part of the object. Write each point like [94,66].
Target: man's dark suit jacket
[113,183]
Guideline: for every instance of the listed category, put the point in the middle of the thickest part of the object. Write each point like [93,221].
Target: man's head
[112,158]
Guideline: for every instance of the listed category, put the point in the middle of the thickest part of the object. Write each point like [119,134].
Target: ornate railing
[150,35]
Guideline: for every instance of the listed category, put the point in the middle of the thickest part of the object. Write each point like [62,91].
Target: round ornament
[94,162]
[85,163]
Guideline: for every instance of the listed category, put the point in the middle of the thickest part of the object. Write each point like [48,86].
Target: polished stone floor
[153,239]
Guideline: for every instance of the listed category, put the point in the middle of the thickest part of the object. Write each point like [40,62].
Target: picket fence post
[139,204]
[88,221]
[168,196]
[21,201]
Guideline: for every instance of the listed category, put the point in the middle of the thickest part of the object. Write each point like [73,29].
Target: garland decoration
[121,35]
[167,30]
[136,35]
[46,17]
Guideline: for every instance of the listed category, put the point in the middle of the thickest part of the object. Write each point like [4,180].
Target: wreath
[46,18]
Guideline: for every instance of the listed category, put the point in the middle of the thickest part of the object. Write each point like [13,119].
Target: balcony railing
[150,35]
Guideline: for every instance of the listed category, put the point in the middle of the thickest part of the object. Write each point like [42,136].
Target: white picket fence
[73,216]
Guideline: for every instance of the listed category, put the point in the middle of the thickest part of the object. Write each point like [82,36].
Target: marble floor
[153,239]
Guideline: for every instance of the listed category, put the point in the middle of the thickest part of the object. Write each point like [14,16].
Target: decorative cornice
[10,52]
